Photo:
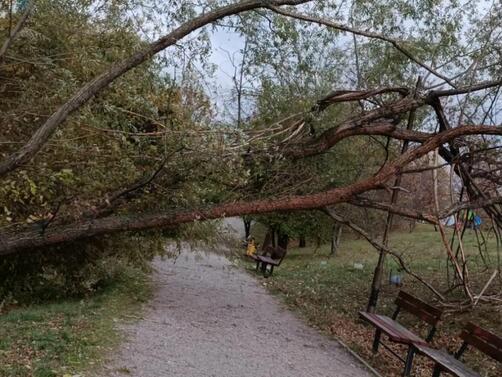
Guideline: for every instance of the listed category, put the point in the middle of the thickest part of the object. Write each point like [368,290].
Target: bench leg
[263,268]
[409,361]
[267,272]
[271,270]
[376,341]
[257,265]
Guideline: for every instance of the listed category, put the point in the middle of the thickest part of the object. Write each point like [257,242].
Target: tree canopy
[108,126]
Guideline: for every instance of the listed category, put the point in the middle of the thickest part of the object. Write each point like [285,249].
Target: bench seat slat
[393,329]
[446,361]
[268,260]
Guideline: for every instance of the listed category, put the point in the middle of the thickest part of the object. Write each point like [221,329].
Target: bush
[74,270]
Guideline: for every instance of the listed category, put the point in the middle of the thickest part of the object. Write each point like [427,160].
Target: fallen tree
[54,235]
[374,115]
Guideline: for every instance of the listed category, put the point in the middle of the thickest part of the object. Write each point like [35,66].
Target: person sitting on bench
[251,247]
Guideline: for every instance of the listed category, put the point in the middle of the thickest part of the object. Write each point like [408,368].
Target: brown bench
[273,259]
[253,257]
[472,335]
[397,333]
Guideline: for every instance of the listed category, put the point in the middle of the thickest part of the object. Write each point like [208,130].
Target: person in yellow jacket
[251,248]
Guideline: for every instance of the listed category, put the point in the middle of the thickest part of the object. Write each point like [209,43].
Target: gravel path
[208,318]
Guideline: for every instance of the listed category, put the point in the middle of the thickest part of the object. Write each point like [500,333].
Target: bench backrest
[277,253]
[417,307]
[485,341]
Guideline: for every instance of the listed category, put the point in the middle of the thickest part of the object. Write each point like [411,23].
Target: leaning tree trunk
[25,238]
[376,284]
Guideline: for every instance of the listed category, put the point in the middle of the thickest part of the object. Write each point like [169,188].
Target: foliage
[143,122]
[74,271]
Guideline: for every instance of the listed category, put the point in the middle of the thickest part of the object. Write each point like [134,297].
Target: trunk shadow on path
[209,318]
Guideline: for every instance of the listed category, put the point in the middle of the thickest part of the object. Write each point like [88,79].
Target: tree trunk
[411,225]
[302,242]
[378,274]
[336,236]
[282,240]
[24,238]
[376,284]
[247,227]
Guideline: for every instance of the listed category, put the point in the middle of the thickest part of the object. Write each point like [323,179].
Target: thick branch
[374,122]
[10,243]
[334,135]
[393,208]
[466,89]
[476,204]
[92,88]
[339,96]
[363,202]
[19,26]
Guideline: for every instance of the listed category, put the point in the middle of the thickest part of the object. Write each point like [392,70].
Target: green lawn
[329,291]
[68,337]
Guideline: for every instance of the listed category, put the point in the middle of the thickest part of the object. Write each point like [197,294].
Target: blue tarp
[477,221]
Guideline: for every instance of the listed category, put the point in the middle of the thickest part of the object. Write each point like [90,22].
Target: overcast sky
[226,45]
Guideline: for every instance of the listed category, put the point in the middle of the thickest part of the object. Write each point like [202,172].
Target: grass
[329,292]
[68,337]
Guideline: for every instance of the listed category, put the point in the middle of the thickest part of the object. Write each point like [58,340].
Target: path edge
[359,358]
[286,307]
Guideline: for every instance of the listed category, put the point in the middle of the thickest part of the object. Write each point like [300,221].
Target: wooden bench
[397,333]
[472,335]
[275,259]
[253,257]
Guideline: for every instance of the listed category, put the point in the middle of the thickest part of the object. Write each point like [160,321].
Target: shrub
[74,270]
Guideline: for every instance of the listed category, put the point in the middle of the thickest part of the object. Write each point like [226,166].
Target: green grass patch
[70,336]
[329,291]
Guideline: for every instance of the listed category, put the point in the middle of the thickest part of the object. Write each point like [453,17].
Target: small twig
[382,248]
[494,274]
[453,259]
[368,34]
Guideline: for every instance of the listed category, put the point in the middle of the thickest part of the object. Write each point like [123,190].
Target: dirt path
[208,318]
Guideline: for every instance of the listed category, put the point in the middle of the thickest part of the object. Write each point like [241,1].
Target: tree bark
[26,238]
